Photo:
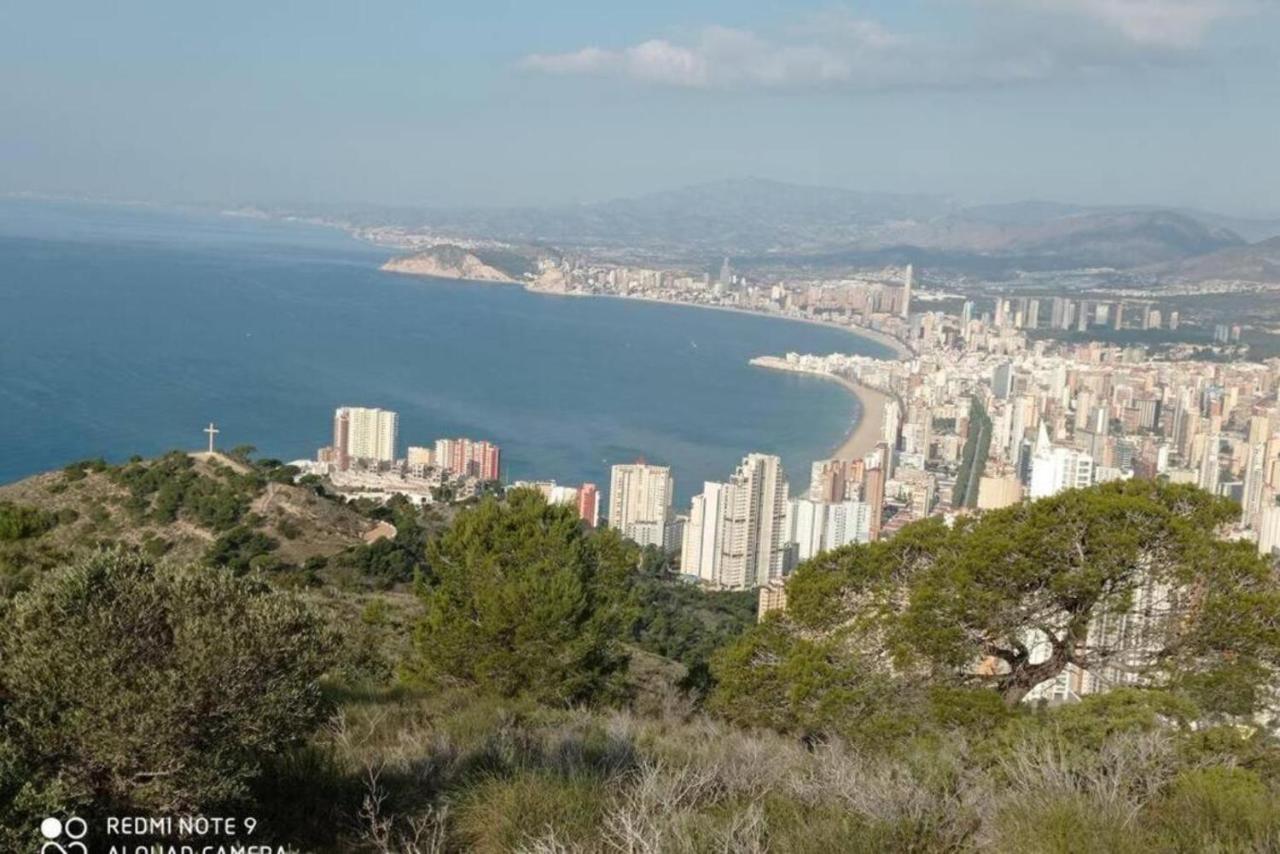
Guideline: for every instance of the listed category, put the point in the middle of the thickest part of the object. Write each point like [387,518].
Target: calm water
[126,330]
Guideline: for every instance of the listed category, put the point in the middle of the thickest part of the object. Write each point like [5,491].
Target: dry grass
[462,774]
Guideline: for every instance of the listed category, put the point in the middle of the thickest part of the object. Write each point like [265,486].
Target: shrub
[128,686]
[1217,808]
[18,522]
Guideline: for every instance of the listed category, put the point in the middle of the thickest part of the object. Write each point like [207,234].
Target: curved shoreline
[899,349]
[862,437]
[865,434]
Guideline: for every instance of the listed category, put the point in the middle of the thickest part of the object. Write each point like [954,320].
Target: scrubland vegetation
[510,681]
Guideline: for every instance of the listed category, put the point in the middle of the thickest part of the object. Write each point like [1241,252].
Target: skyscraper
[364,435]
[700,549]
[1209,464]
[640,503]
[908,281]
[874,481]
[754,510]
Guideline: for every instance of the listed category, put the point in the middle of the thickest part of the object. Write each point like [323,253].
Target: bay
[124,330]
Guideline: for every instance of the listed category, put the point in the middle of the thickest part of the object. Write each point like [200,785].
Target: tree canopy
[1125,582]
[524,601]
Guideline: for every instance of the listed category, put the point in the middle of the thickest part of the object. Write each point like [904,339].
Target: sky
[1171,102]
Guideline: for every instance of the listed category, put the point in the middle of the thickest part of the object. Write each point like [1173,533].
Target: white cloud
[1013,41]
[1158,23]
[726,57]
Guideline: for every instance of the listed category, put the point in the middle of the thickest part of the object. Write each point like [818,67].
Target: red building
[589,504]
[468,458]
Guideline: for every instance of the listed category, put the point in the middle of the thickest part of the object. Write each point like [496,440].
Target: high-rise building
[1056,469]
[835,480]
[700,545]
[363,435]
[1002,380]
[1269,530]
[908,281]
[640,503]
[996,491]
[1210,469]
[589,504]
[815,527]
[873,487]
[753,539]
[469,458]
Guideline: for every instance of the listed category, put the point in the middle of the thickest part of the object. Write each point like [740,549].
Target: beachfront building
[469,458]
[362,435]
[640,498]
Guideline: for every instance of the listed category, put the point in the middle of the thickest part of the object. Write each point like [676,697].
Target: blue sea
[125,330]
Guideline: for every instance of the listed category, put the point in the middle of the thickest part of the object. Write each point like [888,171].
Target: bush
[18,522]
[128,686]
[1218,808]
[239,548]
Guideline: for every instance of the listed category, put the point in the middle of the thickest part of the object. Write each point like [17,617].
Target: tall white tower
[906,290]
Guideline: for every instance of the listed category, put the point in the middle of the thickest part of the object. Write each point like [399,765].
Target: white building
[1054,469]
[700,549]
[816,527]
[361,434]
[736,535]
[640,503]
[1269,529]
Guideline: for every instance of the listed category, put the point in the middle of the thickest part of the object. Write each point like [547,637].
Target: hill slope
[178,506]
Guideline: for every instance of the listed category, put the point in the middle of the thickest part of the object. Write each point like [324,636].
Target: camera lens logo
[64,836]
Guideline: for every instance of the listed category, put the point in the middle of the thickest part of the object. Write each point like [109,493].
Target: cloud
[1013,41]
[727,57]
[1159,23]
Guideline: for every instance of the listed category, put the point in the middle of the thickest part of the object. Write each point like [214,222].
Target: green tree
[128,686]
[523,601]
[1007,600]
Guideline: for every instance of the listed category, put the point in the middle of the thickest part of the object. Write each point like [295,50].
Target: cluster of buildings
[877,302]
[363,460]
[749,531]
[1080,315]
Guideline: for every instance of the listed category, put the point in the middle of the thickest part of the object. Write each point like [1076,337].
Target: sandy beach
[863,436]
[899,349]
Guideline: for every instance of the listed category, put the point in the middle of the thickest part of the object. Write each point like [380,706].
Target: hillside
[447,262]
[181,507]
[1252,262]
[547,688]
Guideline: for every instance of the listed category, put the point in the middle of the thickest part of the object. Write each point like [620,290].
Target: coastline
[863,436]
[899,349]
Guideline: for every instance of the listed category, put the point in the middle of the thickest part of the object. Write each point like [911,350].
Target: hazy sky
[1159,101]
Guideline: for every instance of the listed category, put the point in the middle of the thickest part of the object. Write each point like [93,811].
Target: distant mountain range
[765,222]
